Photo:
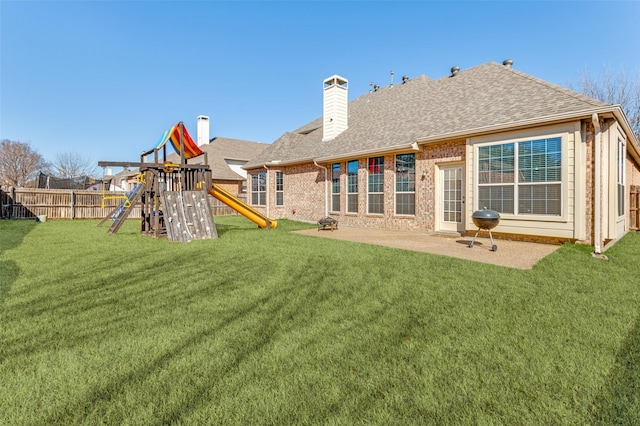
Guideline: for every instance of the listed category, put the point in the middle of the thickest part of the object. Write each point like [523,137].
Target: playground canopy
[191,149]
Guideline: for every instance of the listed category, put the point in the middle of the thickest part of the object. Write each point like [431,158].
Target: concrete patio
[512,254]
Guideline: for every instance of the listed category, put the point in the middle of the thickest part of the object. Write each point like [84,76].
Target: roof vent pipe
[454,71]
[391,84]
[508,63]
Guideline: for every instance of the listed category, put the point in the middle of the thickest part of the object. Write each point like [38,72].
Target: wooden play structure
[173,198]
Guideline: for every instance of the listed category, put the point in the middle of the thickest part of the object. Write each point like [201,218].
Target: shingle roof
[487,96]
[220,149]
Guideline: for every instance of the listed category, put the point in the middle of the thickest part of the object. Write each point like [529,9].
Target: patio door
[451,198]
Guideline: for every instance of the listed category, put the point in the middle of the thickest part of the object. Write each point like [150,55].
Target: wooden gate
[634,208]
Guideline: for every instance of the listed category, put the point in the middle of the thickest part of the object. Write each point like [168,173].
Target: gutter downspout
[326,188]
[267,193]
[597,202]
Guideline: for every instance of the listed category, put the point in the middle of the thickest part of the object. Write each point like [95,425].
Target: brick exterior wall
[305,190]
[233,186]
[590,181]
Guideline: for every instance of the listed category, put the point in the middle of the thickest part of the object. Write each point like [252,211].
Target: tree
[615,88]
[73,165]
[19,163]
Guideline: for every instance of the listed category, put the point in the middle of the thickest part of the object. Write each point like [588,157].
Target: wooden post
[11,202]
[72,206]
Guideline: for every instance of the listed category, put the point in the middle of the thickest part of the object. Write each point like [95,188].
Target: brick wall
[305,190]
[233,186]
[303,195]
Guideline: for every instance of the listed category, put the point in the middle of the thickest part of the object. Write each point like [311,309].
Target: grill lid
[486,214]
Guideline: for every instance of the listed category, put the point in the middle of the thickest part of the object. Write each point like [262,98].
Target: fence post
[11,201]
[72,213]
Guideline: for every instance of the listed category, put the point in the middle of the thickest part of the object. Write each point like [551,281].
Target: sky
[104,79]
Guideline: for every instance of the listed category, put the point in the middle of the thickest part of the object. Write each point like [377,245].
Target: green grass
[269,327]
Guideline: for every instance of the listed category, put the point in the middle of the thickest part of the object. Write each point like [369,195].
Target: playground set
[173,196]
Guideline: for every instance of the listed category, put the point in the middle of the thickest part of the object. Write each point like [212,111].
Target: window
[279,189]
[335,187]
[259,189]
[521,178]
[406,184]
[620,179]
[375,188]
[352,186]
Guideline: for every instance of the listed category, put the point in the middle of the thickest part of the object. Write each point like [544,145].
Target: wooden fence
[28,203]
[634,208]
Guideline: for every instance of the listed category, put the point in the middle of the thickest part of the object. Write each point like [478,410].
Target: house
[425,154]
[226,157]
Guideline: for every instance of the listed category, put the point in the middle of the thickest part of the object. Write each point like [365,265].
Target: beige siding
[539,226]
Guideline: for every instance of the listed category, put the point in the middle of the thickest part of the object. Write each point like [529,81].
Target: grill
[485,219]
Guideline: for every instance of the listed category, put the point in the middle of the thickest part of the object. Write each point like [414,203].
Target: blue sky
[104,79]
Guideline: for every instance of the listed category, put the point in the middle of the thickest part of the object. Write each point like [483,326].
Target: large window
[335,187]
[279,189]
[521,178]
[375,188]
[406,184]
[259,189]
[620,179]
[352,186]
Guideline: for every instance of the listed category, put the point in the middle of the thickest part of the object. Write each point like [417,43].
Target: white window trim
[357,186]
[277,191]
[563,135]
[395,188]
[339,193]
[375,193]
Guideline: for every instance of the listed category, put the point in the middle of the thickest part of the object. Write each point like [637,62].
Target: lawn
[270,327]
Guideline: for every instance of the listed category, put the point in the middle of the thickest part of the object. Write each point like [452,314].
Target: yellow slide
[241,207]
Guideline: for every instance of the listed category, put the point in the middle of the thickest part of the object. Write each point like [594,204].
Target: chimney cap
[508,63]
[335,80]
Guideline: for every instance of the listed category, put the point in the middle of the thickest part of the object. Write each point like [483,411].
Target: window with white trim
[620,178]
[335,187]
[406,184]
[521,178]
[375,185]
[352,186]
[259,189]
[279,189]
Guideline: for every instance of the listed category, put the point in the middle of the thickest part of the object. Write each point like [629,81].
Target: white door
[452,198]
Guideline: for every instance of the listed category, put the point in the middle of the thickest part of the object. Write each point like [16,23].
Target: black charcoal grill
[485,219]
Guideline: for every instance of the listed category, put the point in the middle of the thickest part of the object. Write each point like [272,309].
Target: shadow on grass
[619,400]
[13,232]
[278,301]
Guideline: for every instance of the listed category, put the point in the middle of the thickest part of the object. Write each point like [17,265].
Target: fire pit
[485,219]
[327,223]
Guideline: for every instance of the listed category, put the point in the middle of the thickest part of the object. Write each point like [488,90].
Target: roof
[488,96]
[219,149]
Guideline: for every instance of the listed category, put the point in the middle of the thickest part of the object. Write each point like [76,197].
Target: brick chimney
[335,107]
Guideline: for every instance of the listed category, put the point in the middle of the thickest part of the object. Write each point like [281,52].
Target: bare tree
[615,88]
[73,165]
[19,163]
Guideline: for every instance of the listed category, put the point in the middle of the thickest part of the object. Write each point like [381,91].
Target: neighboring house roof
[220,150]
[487,97]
